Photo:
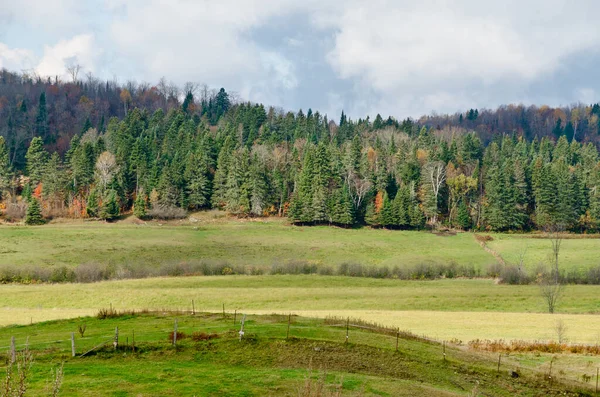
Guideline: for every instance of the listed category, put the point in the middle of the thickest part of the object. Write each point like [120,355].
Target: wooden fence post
[133,341]
[397,338]
[72,344]
[175,334]
[242,329]
[13,350]
[223,310]
[234,316]
[193,308]
[444,350]
[347,328]
[597,371]
[116,341]
[287,335]
[499,358]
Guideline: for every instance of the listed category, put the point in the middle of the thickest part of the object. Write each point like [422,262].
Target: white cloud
[16,58]
[78,50]
[426,51]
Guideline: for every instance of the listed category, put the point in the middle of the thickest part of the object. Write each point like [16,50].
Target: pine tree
[5,169]
[37,157]
[342,213]
[33,216]
[198,182]
[463,218]
[92,204]
[41,121]
[110,206]
[220,179]
[139,206]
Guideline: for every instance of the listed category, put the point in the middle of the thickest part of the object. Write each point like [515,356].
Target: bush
[15,211]
[514,275]
[167,212]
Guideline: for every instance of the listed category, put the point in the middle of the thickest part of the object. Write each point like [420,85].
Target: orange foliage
[422,156]
[37,192]
[378,202]
[371,155]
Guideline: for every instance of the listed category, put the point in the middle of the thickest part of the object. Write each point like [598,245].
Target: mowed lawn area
[259,243]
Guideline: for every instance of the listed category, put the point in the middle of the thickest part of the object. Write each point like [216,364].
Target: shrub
[167,212]
[15,211]
[180,335]
[514,275]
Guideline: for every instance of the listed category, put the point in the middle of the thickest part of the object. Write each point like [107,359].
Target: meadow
[271,359]
[468,308]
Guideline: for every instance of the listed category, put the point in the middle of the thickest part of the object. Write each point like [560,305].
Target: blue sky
[397,58]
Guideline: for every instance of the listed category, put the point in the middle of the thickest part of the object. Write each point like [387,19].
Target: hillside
[310,358]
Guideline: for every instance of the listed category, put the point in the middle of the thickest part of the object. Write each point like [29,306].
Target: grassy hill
[265,362]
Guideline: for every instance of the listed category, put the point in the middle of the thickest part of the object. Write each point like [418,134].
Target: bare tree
[550,285]
[436,176]
[73,71]
[359,187]
[106,168]
[561,331]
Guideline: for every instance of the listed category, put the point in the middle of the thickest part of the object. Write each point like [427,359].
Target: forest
[87,148]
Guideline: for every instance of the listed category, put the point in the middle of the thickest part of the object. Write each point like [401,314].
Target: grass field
[468,309]
[254,243]
[266,363]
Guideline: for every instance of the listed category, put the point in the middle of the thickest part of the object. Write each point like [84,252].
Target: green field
[266,362]
[468,309]
[253,243]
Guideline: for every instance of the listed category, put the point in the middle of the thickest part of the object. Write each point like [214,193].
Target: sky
[398,58]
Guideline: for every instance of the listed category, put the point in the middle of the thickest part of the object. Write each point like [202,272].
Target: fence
[127,331]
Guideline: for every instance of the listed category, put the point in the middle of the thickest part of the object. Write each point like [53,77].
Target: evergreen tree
[5,169]
[37,157]
[92,204]
[33,216]
[41,121]
[463,218]
[110,206]
[139,206]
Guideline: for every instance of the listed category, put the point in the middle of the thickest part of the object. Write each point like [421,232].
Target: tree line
[205,152]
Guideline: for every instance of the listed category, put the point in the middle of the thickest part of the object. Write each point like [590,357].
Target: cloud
[402,58]
[77,50]
[429,50]
[16,58]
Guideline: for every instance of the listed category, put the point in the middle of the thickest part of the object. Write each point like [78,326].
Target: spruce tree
[110,206]
[92,204]
[5,169]
[463,218]
[33,216]
[37,157]
[139,206]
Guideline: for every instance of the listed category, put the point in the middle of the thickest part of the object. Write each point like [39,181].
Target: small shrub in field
[33,216]
[107,313]
[15,211]
[200,336]
[167,212]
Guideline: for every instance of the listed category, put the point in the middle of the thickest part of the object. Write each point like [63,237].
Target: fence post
[133,341]
[13,350]
[242,329]
[175,334]
[397,338]
[72,344]
[234,316]
[116,341]
[597,370]
[287,335]
[347,328]
[444,350]
[499,358]
[223,310]
[193,308]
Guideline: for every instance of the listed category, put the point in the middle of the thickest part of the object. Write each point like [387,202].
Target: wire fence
[128,332]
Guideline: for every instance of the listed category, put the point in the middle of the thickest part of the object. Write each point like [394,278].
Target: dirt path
[489,250]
